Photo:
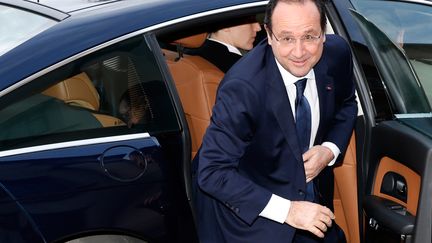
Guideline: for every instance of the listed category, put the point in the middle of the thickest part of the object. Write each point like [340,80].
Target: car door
[394,145]
[94,146]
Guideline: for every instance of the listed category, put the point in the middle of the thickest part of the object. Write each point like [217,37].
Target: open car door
[393,154]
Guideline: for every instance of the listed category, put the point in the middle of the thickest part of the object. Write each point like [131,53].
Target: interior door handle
[394,185]
[389,214]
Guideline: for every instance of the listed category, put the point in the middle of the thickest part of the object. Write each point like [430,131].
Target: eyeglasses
[291,41]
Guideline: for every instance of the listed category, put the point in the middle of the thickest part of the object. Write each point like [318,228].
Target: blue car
[102,109]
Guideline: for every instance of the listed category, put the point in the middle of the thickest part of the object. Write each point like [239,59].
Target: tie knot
[300,85]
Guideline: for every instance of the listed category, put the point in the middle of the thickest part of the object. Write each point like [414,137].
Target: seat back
[79,91]
[197,81]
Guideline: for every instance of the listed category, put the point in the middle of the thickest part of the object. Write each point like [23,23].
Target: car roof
[105,22]
[69,6]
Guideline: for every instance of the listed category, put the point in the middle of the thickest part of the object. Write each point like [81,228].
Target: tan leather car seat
[80,91]
[197,81]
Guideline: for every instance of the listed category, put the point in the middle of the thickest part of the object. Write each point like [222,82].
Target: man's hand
[310,216]
[315,160]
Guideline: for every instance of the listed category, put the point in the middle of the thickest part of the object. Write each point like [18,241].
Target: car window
[117,90]
[400,80]
[407,25]
[18,25]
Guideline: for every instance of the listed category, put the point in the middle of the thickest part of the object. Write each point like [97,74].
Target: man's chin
[300,73]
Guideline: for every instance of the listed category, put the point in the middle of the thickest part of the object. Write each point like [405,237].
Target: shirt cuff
[334,149]
[276,209]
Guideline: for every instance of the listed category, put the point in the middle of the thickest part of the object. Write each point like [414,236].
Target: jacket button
[237,210]
[301,193]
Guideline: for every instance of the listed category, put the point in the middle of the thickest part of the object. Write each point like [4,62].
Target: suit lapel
[280,105]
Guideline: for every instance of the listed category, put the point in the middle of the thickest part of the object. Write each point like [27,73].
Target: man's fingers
[307,155]
[317,232]
[309,216]
[327,212]
[322,222]
[321,226]
[327,221]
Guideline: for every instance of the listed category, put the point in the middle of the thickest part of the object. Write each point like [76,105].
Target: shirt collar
[288,78]
[231,48]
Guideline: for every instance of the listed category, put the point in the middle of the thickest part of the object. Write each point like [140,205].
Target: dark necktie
[303,127]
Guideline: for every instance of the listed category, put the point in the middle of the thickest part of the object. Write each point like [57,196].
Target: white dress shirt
[277,208]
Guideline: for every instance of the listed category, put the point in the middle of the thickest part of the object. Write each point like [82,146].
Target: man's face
[131,116]
[243,36]
[296,36]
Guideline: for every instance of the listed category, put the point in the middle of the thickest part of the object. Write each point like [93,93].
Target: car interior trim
[412,183]
[413,115]
[73,144]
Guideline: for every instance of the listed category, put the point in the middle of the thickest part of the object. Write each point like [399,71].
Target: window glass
[407,25]
[18,25]
[118,90]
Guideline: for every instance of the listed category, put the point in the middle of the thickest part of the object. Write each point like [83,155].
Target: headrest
[193,41]
[77,90]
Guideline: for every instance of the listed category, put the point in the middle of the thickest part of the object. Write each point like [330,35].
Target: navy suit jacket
[217,54]
[250,150]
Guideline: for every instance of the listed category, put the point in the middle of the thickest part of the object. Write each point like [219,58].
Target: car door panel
[15,225]
[402,153]
[392,157]
[393,176]
[50,184]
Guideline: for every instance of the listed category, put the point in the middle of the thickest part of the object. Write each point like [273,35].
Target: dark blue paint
[66,191]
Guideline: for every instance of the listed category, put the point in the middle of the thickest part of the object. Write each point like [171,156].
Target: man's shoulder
[252,63]
[336,51]
[335,43]
[211,44]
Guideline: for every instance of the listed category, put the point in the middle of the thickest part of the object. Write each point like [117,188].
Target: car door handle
[389,214]
[394,185]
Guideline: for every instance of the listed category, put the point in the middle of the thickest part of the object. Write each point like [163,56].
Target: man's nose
[298,48]
[257,27]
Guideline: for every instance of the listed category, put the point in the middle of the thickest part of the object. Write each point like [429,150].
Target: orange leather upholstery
[197,81]
[77,90]
[80,91]
[345,194]
[193,41]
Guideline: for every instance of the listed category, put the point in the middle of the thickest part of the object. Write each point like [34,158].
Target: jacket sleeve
[227,137]
[345,114]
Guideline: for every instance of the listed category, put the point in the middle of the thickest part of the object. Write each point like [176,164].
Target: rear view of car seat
[196,81]
[79,91]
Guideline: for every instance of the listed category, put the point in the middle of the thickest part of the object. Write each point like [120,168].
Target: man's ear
[269,36]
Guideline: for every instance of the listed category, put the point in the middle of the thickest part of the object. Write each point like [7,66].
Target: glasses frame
[313,39]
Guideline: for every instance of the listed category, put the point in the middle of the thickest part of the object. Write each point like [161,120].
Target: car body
[98,131]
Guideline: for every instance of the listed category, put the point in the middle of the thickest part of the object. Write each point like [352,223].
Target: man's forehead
[295,17]
[283,6]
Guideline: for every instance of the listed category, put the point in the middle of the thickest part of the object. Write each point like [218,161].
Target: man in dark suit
[283,115]
[223,46]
